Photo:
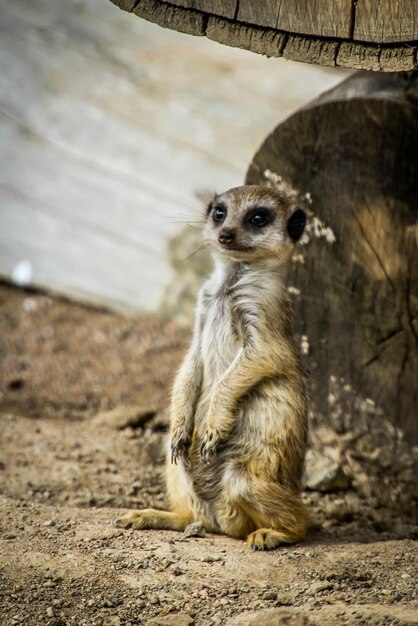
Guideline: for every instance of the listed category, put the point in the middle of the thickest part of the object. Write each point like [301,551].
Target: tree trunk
[354,152]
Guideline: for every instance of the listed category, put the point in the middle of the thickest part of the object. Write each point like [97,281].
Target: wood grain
[322,52]
[169,16]
[266,41]
[258,13]
[322,18]
[225,8]
[386,21]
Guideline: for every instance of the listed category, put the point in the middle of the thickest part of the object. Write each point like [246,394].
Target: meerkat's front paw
[180,443]
[209,445]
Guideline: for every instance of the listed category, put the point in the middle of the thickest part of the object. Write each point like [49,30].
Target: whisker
[193,253]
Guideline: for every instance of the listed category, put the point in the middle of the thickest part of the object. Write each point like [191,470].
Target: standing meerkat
[238,428]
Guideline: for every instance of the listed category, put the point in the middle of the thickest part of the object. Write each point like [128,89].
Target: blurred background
[113,134]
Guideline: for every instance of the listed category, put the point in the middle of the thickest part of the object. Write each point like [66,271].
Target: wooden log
[365,35]
[355,151]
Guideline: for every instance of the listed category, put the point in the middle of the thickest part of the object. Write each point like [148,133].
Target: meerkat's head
[252,223]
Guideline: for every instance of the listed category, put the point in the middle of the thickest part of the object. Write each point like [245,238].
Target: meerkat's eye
[219,214]
[260,218]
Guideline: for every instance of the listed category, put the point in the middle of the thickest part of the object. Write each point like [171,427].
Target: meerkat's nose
[226,236]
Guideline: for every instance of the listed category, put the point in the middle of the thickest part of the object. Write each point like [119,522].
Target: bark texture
[353,156]
[360,35]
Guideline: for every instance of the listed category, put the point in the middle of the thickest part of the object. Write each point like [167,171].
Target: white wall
[111,129]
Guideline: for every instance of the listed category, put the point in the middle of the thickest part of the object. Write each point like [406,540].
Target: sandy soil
[83,398]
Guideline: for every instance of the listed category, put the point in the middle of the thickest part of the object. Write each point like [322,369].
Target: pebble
[50,611]
[270,595]
[319,586]
[195,529]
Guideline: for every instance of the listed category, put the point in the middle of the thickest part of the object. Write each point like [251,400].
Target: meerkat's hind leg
[153,518]
[269,539]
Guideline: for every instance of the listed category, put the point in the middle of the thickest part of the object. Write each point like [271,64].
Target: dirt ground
[83,400]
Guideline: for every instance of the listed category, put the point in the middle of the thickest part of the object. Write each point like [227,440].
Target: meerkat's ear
[296,225]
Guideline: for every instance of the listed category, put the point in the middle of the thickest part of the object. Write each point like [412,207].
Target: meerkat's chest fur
[229,297]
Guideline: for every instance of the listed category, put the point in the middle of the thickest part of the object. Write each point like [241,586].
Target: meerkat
[238,427]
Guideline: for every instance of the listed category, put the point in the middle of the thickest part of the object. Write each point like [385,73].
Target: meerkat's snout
[226,237]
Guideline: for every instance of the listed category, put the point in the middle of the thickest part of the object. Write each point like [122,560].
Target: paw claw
[209,445]
[179,445]
[121,523]
[134,519]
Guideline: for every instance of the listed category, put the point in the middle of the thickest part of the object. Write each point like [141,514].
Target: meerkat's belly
[219,344]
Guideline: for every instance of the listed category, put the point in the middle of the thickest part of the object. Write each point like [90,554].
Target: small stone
[323,473]
[284,600]
[50,611]
[319,586]
[270,595]
[195,529]
[177,571]
[50,522]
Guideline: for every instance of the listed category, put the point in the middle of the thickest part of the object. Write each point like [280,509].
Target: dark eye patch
[296,225]
[259,217]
